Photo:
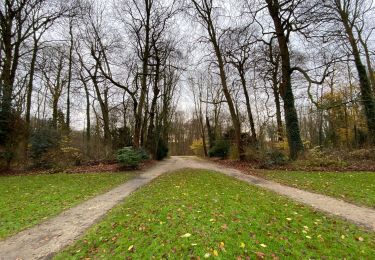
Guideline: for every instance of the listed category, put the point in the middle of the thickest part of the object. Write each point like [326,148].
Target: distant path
[48,238]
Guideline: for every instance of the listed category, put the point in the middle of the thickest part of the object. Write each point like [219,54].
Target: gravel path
[46,239]
[359,215]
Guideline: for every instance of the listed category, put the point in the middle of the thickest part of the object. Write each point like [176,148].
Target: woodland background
[266,81]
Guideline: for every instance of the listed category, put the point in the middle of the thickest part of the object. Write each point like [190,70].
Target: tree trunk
[29,96]
[7,85]
[364,82]
[286,91]
[69,77]
[232,110]
[145,59]
[248,106]
[275,88]
[88,119]
[211,133]
[151,140]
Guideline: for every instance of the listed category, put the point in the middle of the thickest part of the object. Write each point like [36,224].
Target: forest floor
[61,231]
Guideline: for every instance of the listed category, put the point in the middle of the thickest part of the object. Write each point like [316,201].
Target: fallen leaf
[263,245]
[207,255]
[289,219]
[215,253]
[242,245]
[130,248]
[186,235]
[360,239]
[224,226]
[221,245]
[260,255]
[342,237]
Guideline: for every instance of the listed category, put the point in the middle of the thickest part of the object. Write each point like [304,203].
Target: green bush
[220,149]
[144,154]
[128,157]
[162,151]
[273,157]
[43,142]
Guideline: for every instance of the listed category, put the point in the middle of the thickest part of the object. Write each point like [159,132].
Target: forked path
[46,239]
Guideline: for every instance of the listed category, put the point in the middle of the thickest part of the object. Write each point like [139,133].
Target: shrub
[220,149]
[362,154]
[316,157]
[275,157]
[162,151]
[254,155]
[68,154]
[128,157]
[144,154]
[43,142]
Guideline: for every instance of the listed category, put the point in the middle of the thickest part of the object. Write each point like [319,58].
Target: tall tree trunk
[211,133]
[151,143]
[29,96]
[232,109]
[88,119]
[7,84]
[275,89]
[145,59]
[364,82]
[248,106]
[286,91]
[69,77]
[103,102]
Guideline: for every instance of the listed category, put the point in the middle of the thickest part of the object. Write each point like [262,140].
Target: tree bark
[248,106]
[69,77]
[286,91]
[364,82]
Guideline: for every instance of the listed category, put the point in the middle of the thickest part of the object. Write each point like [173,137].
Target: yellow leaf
[221,245]
[186,235]
[342,237]
[242,245]
[263,245]
[130,248]
[207,255]
[308,237]
[215,253]
[360,239]
[289,219]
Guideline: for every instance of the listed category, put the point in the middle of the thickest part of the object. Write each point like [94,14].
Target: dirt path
[359,215]
[46,239]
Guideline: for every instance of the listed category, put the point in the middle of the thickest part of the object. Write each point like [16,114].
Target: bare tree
[206,17]
[350,16]
[238,49]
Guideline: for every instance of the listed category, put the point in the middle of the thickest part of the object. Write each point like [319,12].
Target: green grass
[355,187]
[225,217]
[28,200]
